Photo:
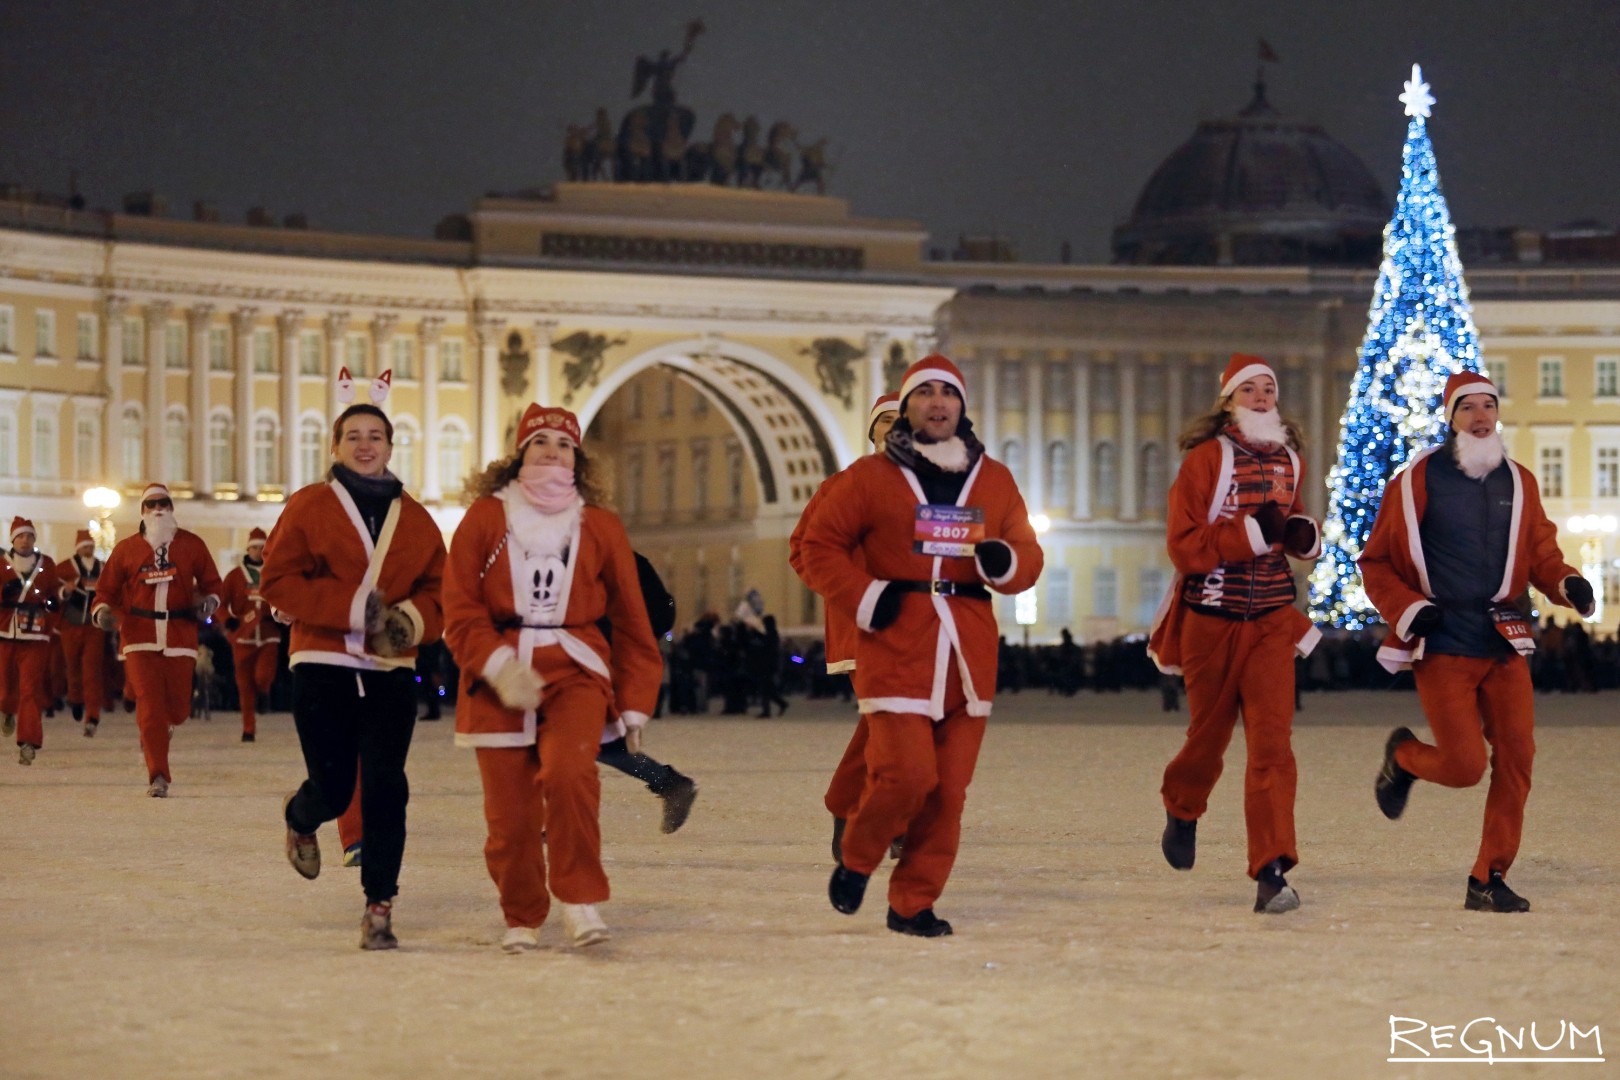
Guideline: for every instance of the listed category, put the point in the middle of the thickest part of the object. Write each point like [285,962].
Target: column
[156,314]
[382,338]
[1081,373]
[540,372]
[288,323]
[247,481]
[1129,459]
[112,432]
[489,328]
[336,326]
[1174,408]
[987,414]
[1035,430]
[198,319]
[427,336]
[876,341]
[1317,433]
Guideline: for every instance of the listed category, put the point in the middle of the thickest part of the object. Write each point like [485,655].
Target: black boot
[923,924]
[838,840]
[1394,783]
[1493,895]
[1273,895]
[1180,841]
[678,795]
[846,889]
[78,712]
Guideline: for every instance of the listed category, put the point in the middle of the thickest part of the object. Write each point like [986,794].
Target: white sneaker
[585,927]
[158,788]
[520,939]
[25,753]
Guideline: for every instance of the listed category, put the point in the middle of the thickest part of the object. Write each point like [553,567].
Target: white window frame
[87,333]
[132,438]
[174,346]
[453,432]
[10,437]
[453,360]
[1105,592]
[45,439]
[87,446]
[219,348]
[8,331]
[1496,370]
[1550,378]
[312,454]
[406,461]
[310,346]
[134,334]
[221,446]
[1606,369]
[45,333]
[263,350]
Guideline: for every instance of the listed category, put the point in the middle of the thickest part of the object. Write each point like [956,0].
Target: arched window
[221,461]
[734,476]
[407,446]
[132,437]
[1105,478]
[1012,456]
[1154,489]
[312,455]
[264,450]
[700,476]
[1058,463]
[176,452]
[452,456]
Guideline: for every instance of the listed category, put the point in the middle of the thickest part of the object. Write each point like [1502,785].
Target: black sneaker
[897,848]
[923,924]
[247,736]
[1180,841]
[678,799]
[78,711]
[1394,783]
[1493,895]
[846,889]
[1273,895]
[838,840]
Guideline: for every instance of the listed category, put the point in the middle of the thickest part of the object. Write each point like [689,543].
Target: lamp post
[1026,608]
[103,501]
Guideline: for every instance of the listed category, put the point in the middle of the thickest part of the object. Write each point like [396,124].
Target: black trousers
[615,754]
[346,717]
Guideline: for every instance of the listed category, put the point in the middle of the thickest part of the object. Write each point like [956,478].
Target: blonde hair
[502,471]
[1210,424]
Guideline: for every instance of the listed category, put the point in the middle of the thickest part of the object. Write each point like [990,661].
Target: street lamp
[1026,608]
[103,500]
[1594,528]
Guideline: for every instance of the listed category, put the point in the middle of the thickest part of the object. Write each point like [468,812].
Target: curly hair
[497,474]
[1210,424]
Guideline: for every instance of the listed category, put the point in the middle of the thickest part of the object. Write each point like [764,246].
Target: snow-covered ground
[169,938]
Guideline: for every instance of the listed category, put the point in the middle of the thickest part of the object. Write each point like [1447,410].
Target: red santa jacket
[32,614]
[243,604]
[860,539]
[320,565]
[1206,526]
[1397,578]
[490,568]
[156,597]
[79,584]
[841,631]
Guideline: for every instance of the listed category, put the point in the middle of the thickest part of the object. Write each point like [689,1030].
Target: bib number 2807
[950,531]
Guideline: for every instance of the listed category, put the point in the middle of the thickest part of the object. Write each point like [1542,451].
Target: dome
[1257,190]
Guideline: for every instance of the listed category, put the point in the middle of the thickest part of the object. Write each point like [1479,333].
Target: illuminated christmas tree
[1420,331]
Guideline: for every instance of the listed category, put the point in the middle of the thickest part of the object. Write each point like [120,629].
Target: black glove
[1579,591]
[995,556]
[887,608]
[232,624]
[12,592]
[1299,535]
[1425,622]
[1271,519]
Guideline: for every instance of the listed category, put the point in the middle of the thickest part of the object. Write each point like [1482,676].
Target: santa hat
[81,538]
[1240,369]
[1464,383]
[21,525]
[257,536]
[935,368]
[155,491]
[537,418]
[888,403]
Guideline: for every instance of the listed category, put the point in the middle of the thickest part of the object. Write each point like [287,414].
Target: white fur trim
[913,706]
[838,667]
[1244,375]
[1223,480]
[1506,588]
[1480,387]
[348,660]
[497,660]
[869,599]
[1414,536]
[495,739]
[1257,539]
[418,624]
[357,608]
[950,455]
[932,374]
[1012,567]
[1308,642]
[634,720]
[978,708]
[1404,623]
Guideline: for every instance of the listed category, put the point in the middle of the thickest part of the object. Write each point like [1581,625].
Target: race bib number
[158,578]
[1513,626]
[950,531]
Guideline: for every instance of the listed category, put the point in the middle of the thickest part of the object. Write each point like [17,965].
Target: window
[1059,387]
[1496,371]
[1057,474]
[1011,390]
[45,332]
[1059,595]
[666,479]
[404,358]
[1151,381]
[1155,495]
[1552,376]
[700,476]
[700,405]
[8,329]
[176,442]
[221,460]
[1608,472]
[1608,376]
[219,349]
[309,355]
[1105,387]
[1105,592]
[264,450]
[312,446]
[666,401]
[452,456]
[45,459]
[1551,473]
[264,350]
[636,396]
[630,497]
[87,446]
[452,358]
[1152,584]
[87,344]
[134,345]
[1012,456]
[406,446]
[174,345]
[1105,482]
[734,476]
[8,442]
[132,438]
[354,354]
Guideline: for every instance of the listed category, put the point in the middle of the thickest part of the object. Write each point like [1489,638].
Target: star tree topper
[1417,99]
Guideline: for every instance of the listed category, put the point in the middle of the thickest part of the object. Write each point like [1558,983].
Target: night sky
[1040,121]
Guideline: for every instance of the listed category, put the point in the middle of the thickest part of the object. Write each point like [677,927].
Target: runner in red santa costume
[535,564]
[252,631]
[909,544]
[28,616]
[83,643]
[1228,624]
[1460,535]
[357,565]
[849,778]
[156,587]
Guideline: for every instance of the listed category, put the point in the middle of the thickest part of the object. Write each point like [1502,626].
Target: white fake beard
[1259,428]
[160,527]
[950,455]
[1478,456]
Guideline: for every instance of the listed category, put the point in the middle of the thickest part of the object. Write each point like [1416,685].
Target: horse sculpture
[779,153]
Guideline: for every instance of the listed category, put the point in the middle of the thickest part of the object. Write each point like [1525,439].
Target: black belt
[519,624]
[971,590]
[162,615]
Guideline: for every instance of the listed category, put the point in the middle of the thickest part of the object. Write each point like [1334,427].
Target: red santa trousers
[918,773]
[84,648]
[255,671]
[1471,702]
[849,778]
[1234,667]
[162,699]
[552,789]
[24,667]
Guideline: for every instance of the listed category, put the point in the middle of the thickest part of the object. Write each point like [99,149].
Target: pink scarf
[548,488]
